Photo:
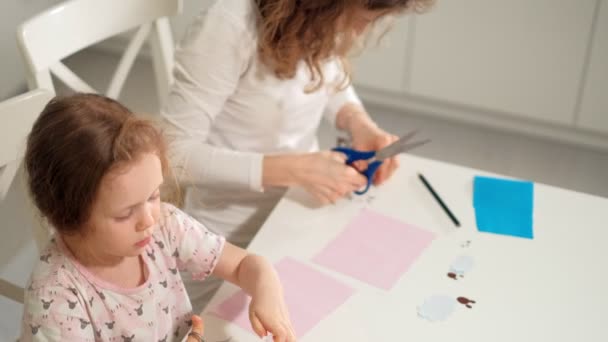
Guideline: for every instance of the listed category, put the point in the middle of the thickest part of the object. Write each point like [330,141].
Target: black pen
[439,200]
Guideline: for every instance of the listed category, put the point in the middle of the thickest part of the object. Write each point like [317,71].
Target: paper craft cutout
[437,308]
[504,206]
[466,302]
[310,296]
[460,266]
[375,249]
[440,307]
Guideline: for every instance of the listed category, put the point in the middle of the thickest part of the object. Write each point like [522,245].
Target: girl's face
[126,210]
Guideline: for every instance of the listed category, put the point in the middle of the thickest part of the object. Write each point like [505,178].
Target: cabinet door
[594,105]
[382,65]
[516,57]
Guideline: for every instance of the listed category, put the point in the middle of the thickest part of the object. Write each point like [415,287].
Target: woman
[253,78]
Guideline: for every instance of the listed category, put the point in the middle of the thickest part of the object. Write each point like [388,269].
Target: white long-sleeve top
[227,109]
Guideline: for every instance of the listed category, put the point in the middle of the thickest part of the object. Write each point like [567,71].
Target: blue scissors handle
[353,156]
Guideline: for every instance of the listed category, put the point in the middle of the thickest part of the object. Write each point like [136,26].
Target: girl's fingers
[197,327]
[287,335]
[197,324]
[287,319]
[292,334]
[278,332]
[257,326]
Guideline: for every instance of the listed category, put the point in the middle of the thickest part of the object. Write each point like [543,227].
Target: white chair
[71,26]
[17,115]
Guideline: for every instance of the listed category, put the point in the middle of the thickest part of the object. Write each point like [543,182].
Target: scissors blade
[399,146]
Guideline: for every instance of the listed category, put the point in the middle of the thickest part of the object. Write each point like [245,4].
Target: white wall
[190,10]
[14,12]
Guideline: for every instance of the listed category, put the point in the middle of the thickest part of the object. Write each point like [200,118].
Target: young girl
[111,271]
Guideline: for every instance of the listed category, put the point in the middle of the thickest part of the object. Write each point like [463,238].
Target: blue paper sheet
[504,206]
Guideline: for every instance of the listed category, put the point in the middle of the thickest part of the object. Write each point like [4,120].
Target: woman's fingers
[388,166]
[338,156]
[198,329]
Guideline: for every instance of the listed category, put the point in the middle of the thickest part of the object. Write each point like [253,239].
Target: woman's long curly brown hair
[312,31]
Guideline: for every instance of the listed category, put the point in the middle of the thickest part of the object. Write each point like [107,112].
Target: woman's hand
[198,329]
[373,139]
[367,136]
[324,174]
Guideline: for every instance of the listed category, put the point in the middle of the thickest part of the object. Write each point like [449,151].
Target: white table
[551,288]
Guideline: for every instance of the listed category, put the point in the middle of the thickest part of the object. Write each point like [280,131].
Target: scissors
[375,158]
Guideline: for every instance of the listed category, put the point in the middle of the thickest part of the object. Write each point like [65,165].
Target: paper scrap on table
[504,206]
[437,308]
[460,266]
[310,296]
[375,249]
[440,307]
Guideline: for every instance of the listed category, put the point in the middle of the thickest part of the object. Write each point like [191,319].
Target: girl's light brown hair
[291,31]
[75,142]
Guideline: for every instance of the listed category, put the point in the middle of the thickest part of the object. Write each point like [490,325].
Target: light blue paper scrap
[462,265]
[437,308]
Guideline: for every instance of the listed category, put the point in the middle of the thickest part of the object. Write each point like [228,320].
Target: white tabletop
[551,288]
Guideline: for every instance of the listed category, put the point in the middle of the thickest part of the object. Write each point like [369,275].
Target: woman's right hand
[323,174]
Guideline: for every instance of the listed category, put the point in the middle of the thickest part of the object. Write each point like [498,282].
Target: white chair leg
[12,291]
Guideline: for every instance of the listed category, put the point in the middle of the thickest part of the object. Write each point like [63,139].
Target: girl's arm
[256,276]
[201,252]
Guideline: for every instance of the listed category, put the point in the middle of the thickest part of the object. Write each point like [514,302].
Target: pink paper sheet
[309,294]
[375,249]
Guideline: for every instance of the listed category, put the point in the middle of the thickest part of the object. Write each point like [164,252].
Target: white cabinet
[383,64]
[594,105]
[519,57]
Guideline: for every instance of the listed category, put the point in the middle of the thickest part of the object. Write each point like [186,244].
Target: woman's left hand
[366,136]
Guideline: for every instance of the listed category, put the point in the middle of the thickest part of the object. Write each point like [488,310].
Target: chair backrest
[17,115]
[71,26]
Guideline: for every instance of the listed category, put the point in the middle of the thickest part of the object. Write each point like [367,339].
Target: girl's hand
[324,174]
[258,278]
[198,329]
[269,315]
[268,312]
